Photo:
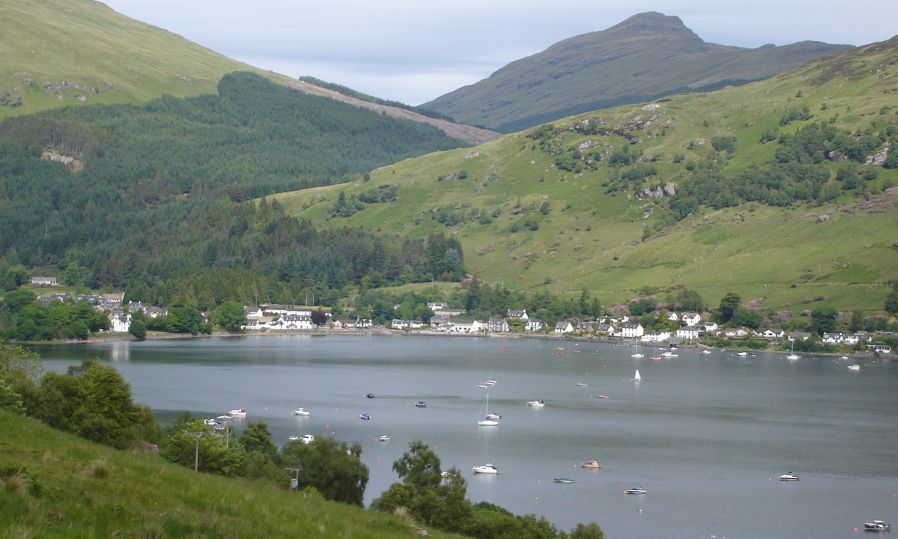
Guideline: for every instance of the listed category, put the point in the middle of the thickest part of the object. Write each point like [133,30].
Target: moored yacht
[488,469]
[877,526]
[302,412]
[636,490]
[591,464]
[537,404]
[788,477]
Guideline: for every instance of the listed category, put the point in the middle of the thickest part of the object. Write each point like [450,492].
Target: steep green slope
[642,58]
[63,52]
[557,206]
[56,485]
[134,193]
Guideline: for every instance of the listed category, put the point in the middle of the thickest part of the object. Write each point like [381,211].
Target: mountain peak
[652,21]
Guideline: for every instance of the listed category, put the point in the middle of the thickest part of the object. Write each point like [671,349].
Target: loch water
[707,435]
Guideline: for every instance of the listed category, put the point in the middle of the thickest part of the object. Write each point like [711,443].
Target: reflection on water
[706,435]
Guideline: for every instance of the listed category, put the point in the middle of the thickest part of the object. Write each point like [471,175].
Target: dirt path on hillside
[468,133]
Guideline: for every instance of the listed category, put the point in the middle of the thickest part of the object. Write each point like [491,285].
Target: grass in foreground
[56,485]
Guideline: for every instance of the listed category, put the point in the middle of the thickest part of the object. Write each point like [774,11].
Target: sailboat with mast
[792,355]
[637,377]
[489,419]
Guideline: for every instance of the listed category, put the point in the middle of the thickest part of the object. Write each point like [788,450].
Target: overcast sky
[416,50]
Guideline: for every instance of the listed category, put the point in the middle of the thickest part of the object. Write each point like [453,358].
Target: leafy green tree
[180,447]
[728,306]
[14,277]
[746,317]
[891,303]
[319,317]
[19,371]
[333,468]
[823,320]
[230,316]
[93,401]
[689,300]
[256,437]
[138,329]
[15,300]
[642,306]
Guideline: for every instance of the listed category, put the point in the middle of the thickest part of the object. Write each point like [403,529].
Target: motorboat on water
[537,404]
[488,469]
[490,383]
[494,416]
[706,351]
[238,412]
[591,465]
[483,386]
[637,356]
[669,354]
[788,477]
[365,417]
[635,491]
[302,412]
[877,526]
[854,367]
[369,396]
[487,423]
[564,480]
[420,404]
[305,438]
[742,354]
[383,438]
[582,384]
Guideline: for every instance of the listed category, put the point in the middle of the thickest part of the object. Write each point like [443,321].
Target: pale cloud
[416,50]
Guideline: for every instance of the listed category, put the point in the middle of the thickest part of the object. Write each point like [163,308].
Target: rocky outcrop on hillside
[669,189]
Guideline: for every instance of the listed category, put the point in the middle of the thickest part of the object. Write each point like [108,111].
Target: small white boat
[488,469]
[637,356]
[420,404]
[706,351]
[591,465]
[564,480]
[302,412]
[742,354]
[305,438]
[637,377]
[365,417]
[487,423]
[483,386]
[854,367]
[581,384]
[494,416]
[877,526]
[537,404]
[669,354]
[490,383]
[635,491]
[788,477]
[793,356]
[212,422]
[844,358]
[383,438]
[238,412]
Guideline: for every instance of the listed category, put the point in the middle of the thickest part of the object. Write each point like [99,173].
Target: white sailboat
[792,355]
[637,377]
[489,420]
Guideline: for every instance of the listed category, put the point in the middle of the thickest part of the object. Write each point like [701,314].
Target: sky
[416,50]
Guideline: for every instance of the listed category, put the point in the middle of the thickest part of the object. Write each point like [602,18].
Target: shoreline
[385,332]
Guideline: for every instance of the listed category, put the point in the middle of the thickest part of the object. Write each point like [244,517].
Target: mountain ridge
[645,56]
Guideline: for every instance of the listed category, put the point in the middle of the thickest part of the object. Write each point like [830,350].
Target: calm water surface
[705,435]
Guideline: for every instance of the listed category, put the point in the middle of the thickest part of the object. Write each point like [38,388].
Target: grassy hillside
[526,222]
[56,485]
[65,52]
[644,57]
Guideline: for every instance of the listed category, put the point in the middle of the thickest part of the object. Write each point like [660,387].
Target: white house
[710,326]
[522,314]
[44,281]
[631,331]
[252,312]
[119,322]
[607,329]
[737,333]
[535,324]
[497,325]
[467,326]
[673,316]
[691,319]
[564,327]
[364,323]
[398,323]
[832,338]
[656,336]
[771,333]
[689,333]
[270,309]
[437,305]
[296,321]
